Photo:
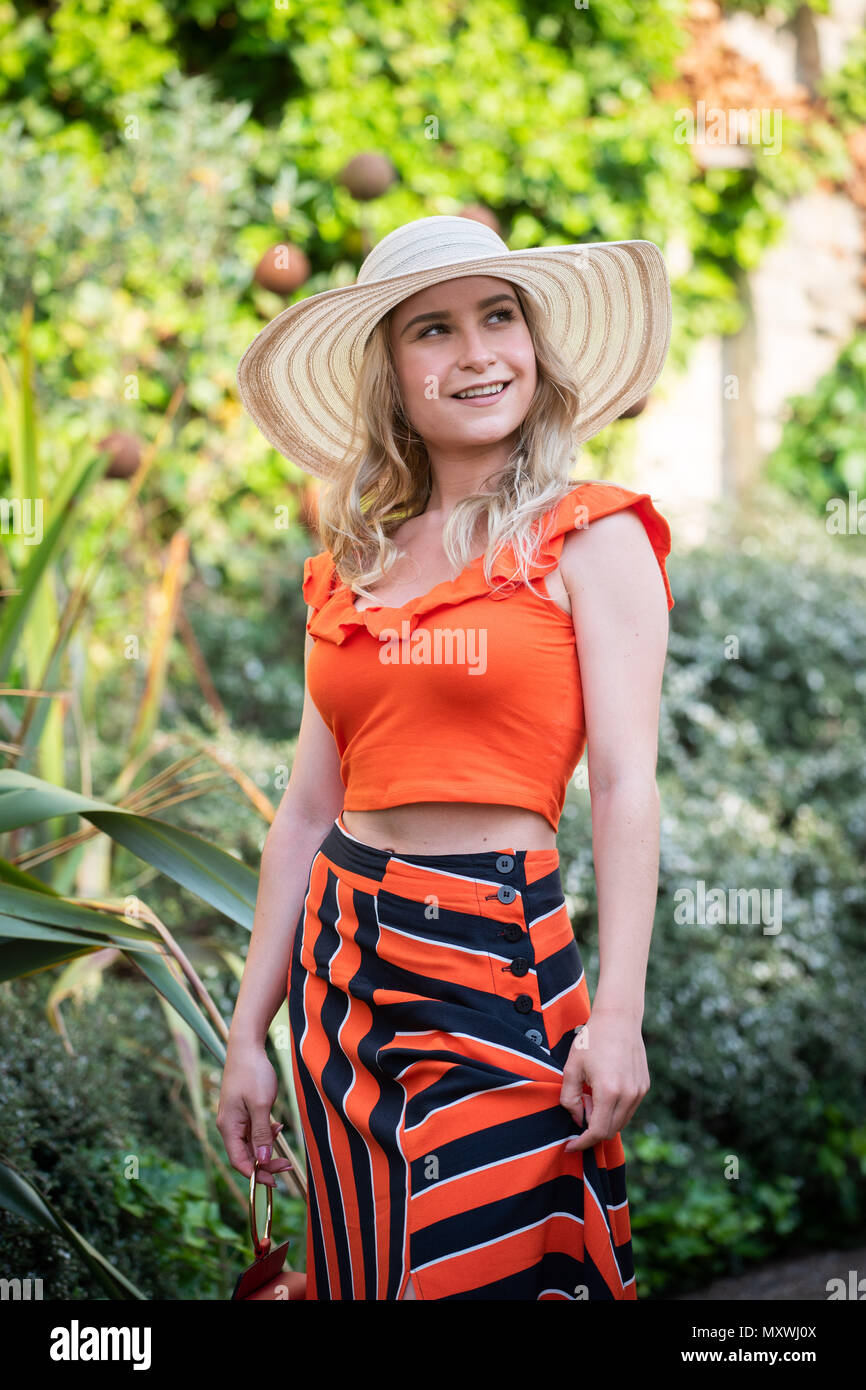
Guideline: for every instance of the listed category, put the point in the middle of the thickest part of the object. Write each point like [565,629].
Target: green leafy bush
[72,1121]
[197,1251]
[822,452]
[687,1225]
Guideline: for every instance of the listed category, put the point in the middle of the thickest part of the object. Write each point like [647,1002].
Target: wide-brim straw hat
[606,306]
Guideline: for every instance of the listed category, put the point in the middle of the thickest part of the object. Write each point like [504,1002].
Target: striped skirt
[433,1001]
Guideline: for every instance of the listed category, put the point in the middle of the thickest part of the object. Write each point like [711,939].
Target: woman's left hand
[608,1054]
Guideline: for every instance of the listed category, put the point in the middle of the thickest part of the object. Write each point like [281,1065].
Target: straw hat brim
[606,307]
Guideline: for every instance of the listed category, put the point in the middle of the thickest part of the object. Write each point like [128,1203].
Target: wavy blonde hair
[390,481]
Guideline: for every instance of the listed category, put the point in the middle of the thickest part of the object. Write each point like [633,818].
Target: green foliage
[70,1120]
[67,63]
[548,113]
[196,1249]
[759,8]
[844,90]
[128,253]
[173,1205]
[822,452]
[68,1116]
[690,1223]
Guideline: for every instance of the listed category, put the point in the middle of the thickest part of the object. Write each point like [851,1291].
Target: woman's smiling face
[456,336]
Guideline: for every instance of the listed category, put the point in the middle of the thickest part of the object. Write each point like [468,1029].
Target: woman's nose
[475,354]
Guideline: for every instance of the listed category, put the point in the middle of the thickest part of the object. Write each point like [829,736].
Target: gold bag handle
[260,1247]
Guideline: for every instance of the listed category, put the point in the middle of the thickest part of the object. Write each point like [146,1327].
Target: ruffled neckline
[338,617]
[335,616]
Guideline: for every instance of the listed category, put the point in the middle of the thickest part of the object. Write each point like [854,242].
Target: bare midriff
[449,827]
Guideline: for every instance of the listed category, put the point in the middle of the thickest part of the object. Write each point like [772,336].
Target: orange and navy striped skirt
[433,1001]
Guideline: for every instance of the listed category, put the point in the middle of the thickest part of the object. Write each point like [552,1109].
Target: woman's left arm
[620,616]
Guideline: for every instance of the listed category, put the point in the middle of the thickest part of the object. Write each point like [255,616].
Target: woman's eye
[507,314]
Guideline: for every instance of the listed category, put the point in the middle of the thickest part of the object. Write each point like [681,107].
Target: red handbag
[268,1277]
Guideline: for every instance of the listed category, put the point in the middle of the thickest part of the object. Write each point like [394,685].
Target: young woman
[475,621]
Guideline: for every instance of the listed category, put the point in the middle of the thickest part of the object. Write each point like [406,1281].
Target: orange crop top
[453,696]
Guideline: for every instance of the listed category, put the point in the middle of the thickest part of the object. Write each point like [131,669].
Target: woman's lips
[482,400]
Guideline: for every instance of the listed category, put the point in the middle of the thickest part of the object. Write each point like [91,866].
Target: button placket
[514,934]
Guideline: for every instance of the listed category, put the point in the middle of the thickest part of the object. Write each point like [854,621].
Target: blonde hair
[390,480]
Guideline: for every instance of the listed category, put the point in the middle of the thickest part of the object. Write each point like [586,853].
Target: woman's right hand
[248,1091]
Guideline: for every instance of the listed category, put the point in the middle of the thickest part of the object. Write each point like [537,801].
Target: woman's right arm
[311,802]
